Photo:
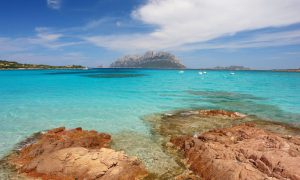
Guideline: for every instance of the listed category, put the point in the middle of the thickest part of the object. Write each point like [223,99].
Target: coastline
[164,155]
[137,68]
[41,69]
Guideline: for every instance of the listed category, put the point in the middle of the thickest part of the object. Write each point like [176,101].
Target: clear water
[113,101]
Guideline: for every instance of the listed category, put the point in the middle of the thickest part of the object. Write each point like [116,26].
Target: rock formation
[148,60]
[194,144]
[218,144]
[75,154]
[242,152]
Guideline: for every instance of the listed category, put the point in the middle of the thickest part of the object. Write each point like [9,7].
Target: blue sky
[261,34]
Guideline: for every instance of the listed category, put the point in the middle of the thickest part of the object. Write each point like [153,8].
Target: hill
[15,65]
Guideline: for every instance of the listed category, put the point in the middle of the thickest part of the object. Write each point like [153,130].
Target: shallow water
[115,100]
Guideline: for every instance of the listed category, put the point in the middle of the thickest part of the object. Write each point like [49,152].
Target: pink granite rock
[76,154]
[241,152]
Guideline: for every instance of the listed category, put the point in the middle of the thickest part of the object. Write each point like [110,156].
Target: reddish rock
[241,152]
[75,154]
[223,113]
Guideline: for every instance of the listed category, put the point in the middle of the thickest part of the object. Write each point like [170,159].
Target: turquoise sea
[116,100]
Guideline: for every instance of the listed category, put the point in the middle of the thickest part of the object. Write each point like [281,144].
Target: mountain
[15,65]
[150,59]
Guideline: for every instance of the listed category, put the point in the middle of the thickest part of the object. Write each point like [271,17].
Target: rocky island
[150,59]
[15,65]
[231,68]
[287,70]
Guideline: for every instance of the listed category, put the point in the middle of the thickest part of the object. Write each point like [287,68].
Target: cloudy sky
[261,34]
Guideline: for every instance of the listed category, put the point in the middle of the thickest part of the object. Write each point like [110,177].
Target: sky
[260,34]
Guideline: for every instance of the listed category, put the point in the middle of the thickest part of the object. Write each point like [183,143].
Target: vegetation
[15,65]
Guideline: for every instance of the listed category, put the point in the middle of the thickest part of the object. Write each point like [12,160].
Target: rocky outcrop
[75,154]
[241,152]
[195,122]
[148,60]
[219,144]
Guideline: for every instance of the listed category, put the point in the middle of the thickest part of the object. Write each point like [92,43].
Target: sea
[117,100]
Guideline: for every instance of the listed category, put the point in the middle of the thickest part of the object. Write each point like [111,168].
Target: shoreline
[160,156]
[188,69]
[41,69]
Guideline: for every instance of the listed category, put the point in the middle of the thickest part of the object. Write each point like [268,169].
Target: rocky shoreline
[196,144]
[74,154]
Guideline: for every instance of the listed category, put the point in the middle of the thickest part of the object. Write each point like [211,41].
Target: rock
[222,113]
[75,154]
[187,175]
[159,163]
[149,60]
[254,154]
[199,121]
[194,122]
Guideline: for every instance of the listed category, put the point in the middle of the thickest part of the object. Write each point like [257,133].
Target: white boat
[181,72]
[200,73]
[232,73]
[204,72]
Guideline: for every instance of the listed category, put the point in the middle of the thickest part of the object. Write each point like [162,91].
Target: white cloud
[43,38]
[185,22]
[54,4]
[56,59]
[9,45]
[271,39]
[44,35]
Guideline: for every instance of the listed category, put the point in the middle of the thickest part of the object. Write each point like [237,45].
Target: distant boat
[200,73]
[181,72]
[86,68]
[232,73]
[204,72]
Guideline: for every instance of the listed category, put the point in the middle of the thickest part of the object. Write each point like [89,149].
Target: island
[231,68]
[4,64]
[287,70]
[150,59]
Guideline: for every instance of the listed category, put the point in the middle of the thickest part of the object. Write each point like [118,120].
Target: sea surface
[116,100]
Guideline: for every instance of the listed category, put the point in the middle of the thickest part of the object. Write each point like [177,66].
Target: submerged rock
[75,154]
[241,152]
[216,144]
[160,164]
[199,121]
